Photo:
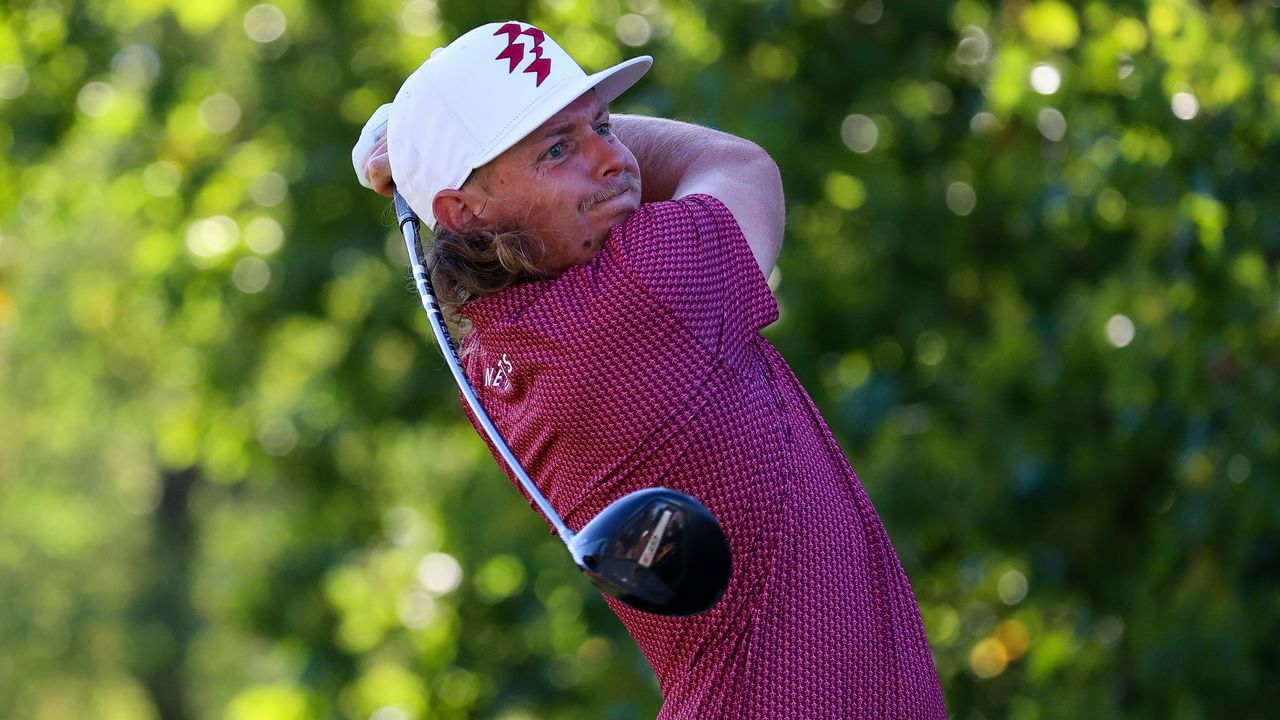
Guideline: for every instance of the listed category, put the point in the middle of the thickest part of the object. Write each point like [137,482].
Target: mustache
[624,182]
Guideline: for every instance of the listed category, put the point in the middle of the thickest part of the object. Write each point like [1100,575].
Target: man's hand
[369,156]
[377,168]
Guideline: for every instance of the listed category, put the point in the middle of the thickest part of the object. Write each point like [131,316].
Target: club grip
[404,213]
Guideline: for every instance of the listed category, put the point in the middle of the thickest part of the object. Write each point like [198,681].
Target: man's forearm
[668,151]
[678,159]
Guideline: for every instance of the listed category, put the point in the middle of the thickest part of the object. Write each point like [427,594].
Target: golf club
[657,550]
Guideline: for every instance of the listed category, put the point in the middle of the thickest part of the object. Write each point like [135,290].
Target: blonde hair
[475,265]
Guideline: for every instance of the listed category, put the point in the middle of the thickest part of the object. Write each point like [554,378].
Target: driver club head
[657,550]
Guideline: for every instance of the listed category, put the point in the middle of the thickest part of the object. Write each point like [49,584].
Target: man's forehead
[587,106]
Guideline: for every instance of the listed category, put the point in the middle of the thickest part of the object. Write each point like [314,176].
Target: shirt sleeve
[692,257]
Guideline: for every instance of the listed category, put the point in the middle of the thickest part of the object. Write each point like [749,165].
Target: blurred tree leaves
[1030,277]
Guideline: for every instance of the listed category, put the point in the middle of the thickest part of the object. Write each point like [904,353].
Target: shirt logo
[500,376]
[513,53]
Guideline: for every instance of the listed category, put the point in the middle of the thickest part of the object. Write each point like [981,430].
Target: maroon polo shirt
[645,367]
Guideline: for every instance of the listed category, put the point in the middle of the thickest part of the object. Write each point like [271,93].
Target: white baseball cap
[484,92]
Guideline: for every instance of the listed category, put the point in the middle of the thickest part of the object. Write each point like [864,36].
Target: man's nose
[606,154]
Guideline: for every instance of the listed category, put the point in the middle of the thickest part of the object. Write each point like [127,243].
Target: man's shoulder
[673,231]
[677,212]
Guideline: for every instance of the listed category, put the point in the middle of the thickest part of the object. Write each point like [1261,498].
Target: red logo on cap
[514,52]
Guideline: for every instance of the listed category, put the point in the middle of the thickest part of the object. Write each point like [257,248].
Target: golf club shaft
[409,227]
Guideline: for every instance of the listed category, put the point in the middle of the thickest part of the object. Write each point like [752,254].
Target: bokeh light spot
[931,347]
[845,191]
[265,23]
[961,198]
[439,573]
[1124,67]
[278,436]
[416,609]
[939,97]
[1014,636]
[1130,33]
[984,123]
[1238,468]
[859,133]
[1052,124]
[869,12]
[263,235]
[1012,587]
[942,623]
[1111,206]
[390,712]
[988,658]
[219,113]
[1045,79]
[278,701]
[96,98]
[13,81]
[1051,23]
[1109,630]
[161,179]
[212,237]
[268,189]
[1120,330]
[136,64]
[458,687]
[974,47]
[851,371]
[1185,105]
[773,62]
[499,578]
[403,525]
[633,29]
[420,18]
[1164,18]
[251,274]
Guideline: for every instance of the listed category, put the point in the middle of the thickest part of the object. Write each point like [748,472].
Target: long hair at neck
[475,265]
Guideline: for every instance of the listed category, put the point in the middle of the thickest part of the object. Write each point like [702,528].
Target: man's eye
[604,129]
[555,151]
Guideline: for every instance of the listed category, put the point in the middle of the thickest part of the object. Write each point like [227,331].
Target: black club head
[657,550]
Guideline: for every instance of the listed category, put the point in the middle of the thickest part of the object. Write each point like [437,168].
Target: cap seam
[539,100]
[448,101]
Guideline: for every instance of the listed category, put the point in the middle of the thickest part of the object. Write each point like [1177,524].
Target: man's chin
[622,214]
[622,205]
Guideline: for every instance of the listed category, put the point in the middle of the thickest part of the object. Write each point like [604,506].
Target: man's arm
[678,159]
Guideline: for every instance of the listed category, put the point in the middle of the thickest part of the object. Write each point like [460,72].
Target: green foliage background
[1030,277]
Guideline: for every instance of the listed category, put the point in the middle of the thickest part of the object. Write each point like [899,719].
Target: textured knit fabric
[645,367]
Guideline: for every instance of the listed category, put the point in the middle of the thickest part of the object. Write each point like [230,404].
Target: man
[612,330]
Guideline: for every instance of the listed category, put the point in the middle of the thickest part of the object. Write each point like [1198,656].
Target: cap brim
[611,83]
[608,84]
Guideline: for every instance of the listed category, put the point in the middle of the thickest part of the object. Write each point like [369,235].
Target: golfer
[607,275]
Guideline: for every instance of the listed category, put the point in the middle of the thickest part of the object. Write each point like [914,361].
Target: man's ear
[458,211]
